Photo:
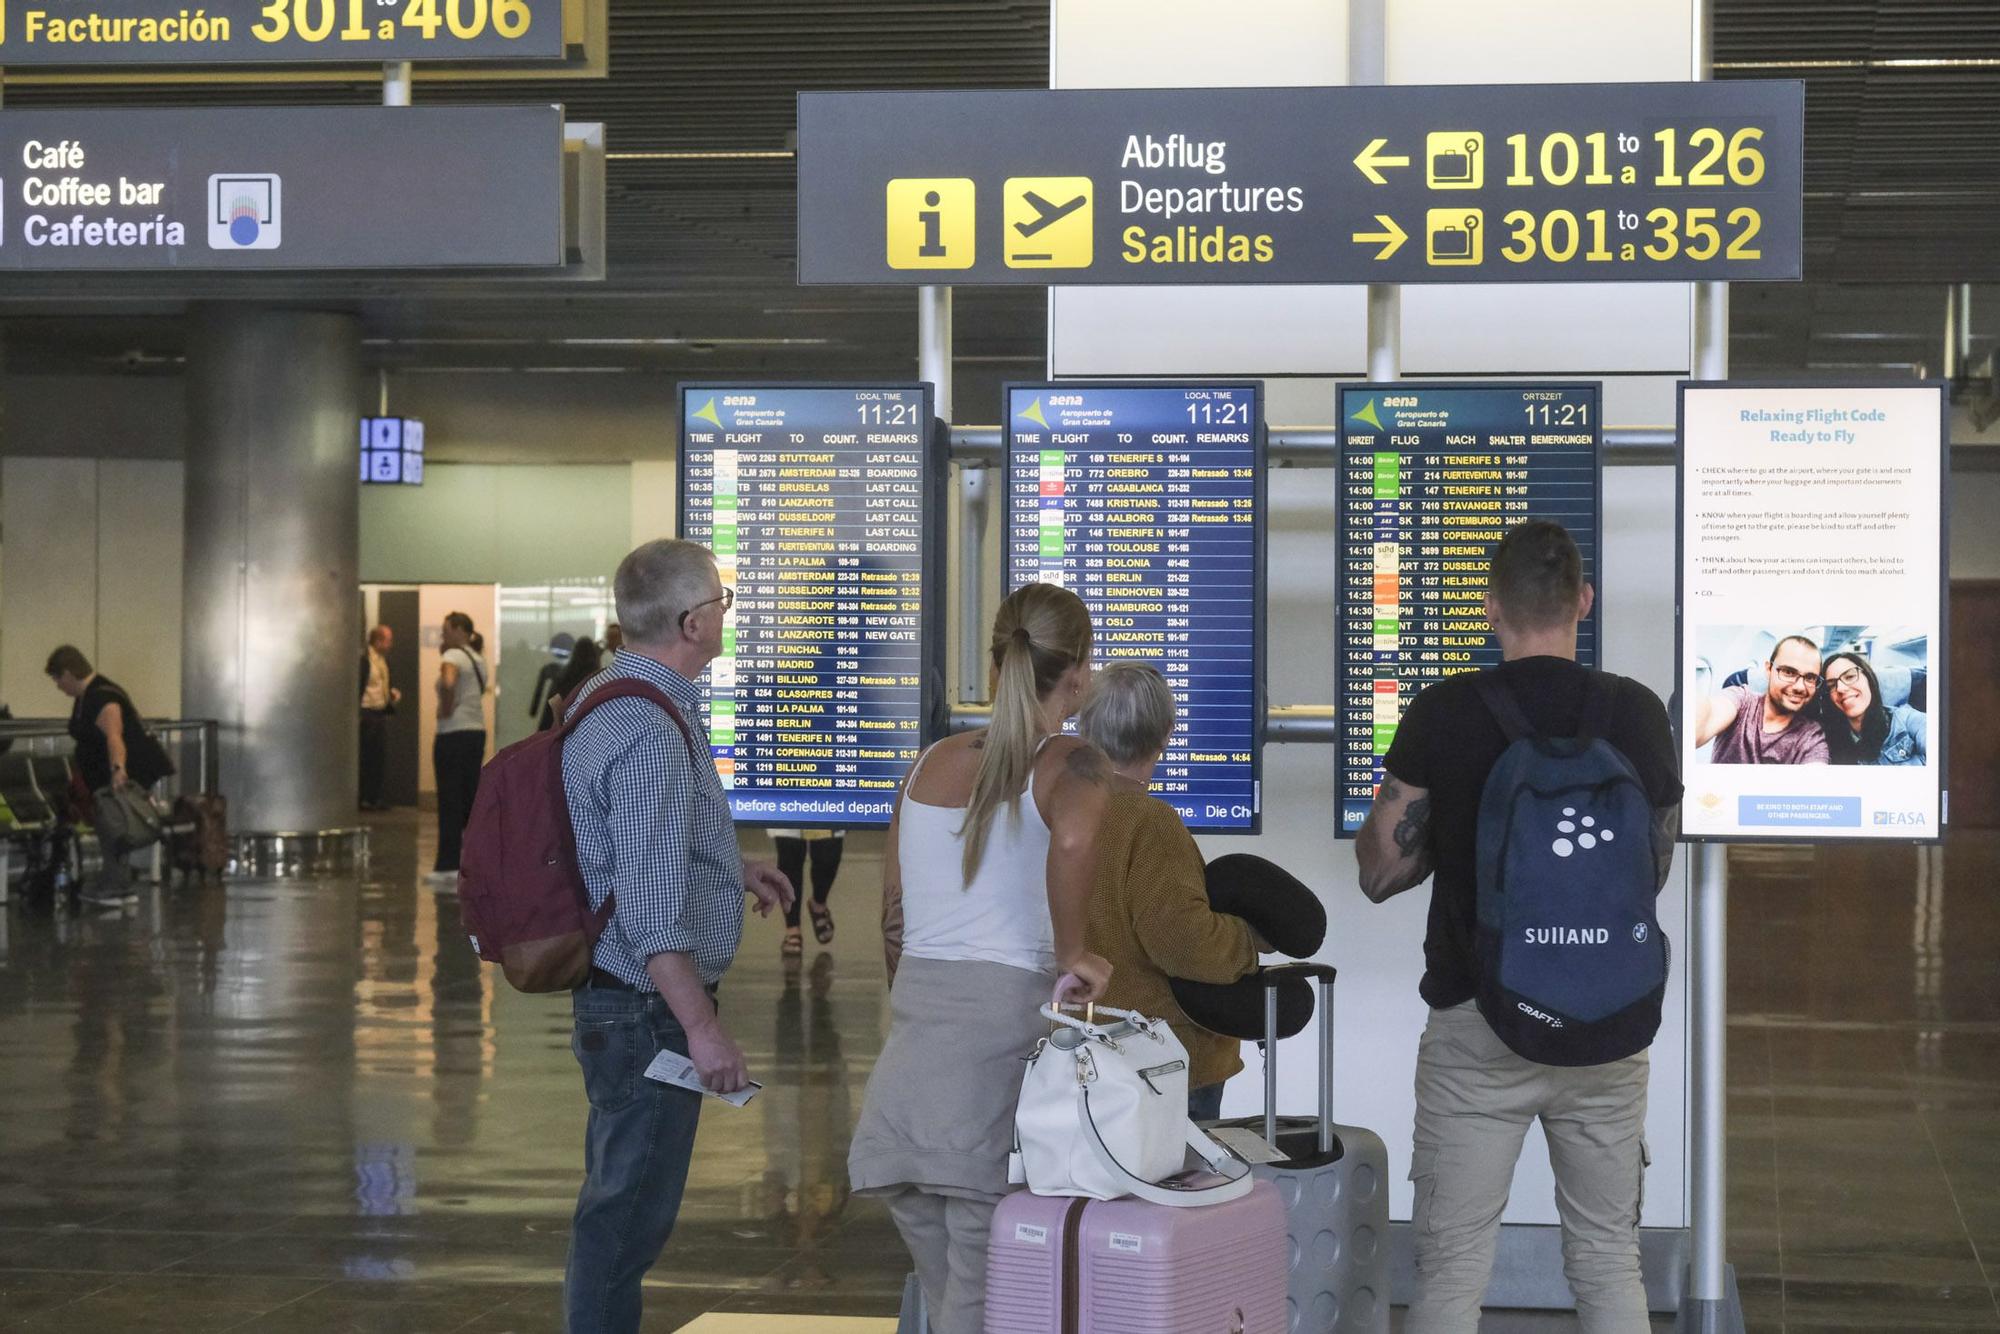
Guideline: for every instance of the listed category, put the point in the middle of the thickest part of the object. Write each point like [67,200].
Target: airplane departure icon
[1046,212]
[1049,222]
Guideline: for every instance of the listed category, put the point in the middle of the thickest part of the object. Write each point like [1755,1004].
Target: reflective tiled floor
[303,1106]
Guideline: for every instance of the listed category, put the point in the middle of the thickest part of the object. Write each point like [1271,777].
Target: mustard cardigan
[1149,916]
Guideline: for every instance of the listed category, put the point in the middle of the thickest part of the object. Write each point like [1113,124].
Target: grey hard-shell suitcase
[1335,1187]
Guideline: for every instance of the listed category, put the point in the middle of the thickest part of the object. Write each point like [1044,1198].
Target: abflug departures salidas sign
[1556,183]
[295,188]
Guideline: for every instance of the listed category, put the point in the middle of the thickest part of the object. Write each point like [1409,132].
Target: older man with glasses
[655,841]
[1771,728]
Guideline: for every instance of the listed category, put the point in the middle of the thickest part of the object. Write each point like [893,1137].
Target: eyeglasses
[1847,680]
[1790,675]
[727,598]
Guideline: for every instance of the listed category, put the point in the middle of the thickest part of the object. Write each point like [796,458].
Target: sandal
[822,922]
[794,945]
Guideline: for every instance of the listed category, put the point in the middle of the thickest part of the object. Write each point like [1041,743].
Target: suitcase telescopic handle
[1271,977]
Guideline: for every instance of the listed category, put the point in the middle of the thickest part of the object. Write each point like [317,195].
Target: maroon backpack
[520,891]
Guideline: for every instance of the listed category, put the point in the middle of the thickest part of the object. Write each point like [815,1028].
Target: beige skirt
[939,1110]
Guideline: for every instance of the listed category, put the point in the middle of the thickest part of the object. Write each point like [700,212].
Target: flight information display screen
[1431,476]
[822,506]
[1147,502]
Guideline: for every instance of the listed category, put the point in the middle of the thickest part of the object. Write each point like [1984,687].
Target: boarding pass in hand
[670,1067]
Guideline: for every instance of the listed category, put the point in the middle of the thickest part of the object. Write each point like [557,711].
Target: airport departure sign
[821,505]
[276,32]
[1431,476]
[1515,183]
[293,188]
[1147,502]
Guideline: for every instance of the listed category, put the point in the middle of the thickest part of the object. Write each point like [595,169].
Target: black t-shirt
[93,753]
[1448,743]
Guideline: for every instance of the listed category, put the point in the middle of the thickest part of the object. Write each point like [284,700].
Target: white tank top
[1003,915]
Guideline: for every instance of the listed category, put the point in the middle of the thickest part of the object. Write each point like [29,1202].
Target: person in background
[823,847]
[113,749]
[653,835]
[561,646]
[379,698]
[1475,1095]
[1774,727]
[985,879]
[460,747]
[1859,727]
[1149,913]
[614,638]
[585,661]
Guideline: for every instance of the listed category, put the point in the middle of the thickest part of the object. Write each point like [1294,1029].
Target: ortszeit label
[281,188]
[276,32]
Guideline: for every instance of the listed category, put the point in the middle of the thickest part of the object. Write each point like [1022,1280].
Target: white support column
[1368,64]
[396,79]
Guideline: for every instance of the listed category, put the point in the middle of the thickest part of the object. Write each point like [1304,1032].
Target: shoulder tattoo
[1087,764]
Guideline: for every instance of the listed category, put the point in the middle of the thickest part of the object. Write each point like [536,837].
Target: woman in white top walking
[985,881]
[460,746]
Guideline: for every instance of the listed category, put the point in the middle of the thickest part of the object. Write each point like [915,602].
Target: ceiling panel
[1902,178]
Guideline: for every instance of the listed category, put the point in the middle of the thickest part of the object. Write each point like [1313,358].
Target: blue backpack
[1570,958]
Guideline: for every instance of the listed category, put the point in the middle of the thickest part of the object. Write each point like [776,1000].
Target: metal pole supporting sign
[1710,1304]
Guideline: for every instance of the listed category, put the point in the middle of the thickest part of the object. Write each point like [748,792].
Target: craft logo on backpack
[1571,961]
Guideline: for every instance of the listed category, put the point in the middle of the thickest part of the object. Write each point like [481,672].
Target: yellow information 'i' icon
[930,222]
[1451,236]
[1048,222]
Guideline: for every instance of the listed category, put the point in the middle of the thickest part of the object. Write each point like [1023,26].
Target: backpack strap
[627,687]
[624,687]
[1599,707]
[1505,709]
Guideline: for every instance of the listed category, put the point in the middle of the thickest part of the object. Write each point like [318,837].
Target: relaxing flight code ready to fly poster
[823,507]
[1812,611]
[1147,501]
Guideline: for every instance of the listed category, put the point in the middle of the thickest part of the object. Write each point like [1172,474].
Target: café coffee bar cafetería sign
[283,188]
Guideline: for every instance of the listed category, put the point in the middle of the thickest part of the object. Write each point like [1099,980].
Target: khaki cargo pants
[1475,1098]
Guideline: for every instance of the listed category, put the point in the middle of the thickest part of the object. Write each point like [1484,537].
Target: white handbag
[1103,1114]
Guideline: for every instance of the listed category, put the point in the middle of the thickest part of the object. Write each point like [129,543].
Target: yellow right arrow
[1392,235]
[1372,157]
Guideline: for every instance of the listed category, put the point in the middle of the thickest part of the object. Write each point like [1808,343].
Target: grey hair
[656,583]
[1129,713]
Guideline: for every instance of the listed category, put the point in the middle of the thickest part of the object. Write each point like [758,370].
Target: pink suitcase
[1061,1265]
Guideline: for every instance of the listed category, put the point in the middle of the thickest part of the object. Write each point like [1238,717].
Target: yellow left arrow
[1391,235]
[1372,157]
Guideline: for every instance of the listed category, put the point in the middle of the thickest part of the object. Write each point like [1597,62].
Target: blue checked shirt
[653,826]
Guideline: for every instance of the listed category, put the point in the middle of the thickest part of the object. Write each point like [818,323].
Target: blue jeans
[635,1156]
[1205,1103]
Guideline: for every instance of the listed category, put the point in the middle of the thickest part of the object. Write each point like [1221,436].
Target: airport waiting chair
[36,834]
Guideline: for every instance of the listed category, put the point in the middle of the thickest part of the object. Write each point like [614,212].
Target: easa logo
[1900,817]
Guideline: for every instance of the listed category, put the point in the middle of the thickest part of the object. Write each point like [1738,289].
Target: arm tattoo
[1413,830]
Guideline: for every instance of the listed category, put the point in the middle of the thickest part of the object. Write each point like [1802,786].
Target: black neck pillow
[1275,902]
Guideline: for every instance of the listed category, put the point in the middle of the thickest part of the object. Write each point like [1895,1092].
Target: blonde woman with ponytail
[985,886]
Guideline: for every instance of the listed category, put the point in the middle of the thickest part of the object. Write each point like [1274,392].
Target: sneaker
[442,880]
